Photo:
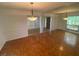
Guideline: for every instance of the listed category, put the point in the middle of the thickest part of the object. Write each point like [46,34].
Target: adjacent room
[39,29]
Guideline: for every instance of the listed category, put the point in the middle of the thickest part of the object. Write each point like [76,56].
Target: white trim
[41,27]
[50,23]
[2,45]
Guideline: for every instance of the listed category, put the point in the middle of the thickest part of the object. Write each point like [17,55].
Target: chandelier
[32,18]
[66,15]
[65,18]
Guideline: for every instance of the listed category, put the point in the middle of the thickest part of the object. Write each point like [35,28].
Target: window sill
[76,32]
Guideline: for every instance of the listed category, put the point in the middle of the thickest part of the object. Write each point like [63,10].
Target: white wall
[58,22]
[2,35]
[12,27]
[61,22]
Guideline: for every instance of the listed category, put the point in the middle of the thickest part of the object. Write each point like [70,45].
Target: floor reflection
[70,39]
[55,43]
[61,48]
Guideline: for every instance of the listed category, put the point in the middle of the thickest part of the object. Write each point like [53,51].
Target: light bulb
[65,18]
[32,18]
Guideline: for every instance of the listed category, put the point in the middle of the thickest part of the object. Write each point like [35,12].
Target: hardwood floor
[55,43]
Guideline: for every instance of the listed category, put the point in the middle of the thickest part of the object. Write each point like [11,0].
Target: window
[73,23]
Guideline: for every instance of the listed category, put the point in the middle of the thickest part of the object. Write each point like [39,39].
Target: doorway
[47,22]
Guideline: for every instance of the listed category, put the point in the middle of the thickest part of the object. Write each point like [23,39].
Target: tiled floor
[55,43]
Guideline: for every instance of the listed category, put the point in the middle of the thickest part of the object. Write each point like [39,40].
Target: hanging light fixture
[32,18]
[66,16]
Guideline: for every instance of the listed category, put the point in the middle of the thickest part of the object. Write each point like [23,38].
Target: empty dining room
[39,28]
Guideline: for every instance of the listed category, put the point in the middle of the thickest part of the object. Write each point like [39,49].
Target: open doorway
[47,24]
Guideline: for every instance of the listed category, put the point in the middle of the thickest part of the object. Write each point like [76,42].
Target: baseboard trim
[2,46]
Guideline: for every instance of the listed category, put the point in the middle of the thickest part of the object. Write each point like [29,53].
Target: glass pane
[73,22]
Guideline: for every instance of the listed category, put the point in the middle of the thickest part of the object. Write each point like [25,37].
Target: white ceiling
[23,8]
[41,6]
